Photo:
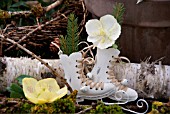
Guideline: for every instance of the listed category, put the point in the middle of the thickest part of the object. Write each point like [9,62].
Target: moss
[159,108]
[111,109]
[25,108]
[156,104]
[43,108]
[64,105]
[73,95]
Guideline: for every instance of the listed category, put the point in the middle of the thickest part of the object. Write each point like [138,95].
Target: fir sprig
[63,44]
[69,43]
[118,12]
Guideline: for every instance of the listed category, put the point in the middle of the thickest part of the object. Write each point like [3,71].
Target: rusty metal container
[145,30]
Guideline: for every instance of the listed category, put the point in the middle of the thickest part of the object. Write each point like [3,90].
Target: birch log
[149,80]
[11,68]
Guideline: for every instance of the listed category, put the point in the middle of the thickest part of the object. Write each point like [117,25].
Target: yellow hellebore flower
[104,32]
[43,91]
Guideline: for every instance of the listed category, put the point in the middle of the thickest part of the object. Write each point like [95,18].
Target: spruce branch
[63,44]
[69,44]
[118,12]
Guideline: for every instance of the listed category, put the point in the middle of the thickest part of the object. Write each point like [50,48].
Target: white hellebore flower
[104,32]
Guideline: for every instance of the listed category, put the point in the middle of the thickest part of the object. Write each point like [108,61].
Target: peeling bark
[149,80]
[11,68]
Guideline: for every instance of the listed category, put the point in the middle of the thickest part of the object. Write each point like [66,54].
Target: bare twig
[6,28]
[38,58]
[55,4]
[84,17]
[27,13]
[36,29]
[1,47]
[24,13]
[85,110]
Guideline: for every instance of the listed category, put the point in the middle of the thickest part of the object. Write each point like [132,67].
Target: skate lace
[110,72]
[83,78]
[82,65]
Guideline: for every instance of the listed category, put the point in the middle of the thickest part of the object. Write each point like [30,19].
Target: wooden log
[149,80]
[11,68]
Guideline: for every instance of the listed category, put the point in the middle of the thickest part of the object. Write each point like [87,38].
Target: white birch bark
[11,68]
[148,80]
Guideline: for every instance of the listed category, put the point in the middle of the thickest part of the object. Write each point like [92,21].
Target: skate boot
[74,74]
[103,71]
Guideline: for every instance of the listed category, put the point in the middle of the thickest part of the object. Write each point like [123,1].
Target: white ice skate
[103,71]
[74,73]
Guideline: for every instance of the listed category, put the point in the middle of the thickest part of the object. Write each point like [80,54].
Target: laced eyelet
[77,72]
[76,66]
[90,88]
[96,89]
[106,71]
[112,56]
[107,66]
[78,77]
[101,88]
[76,61]
[109,61]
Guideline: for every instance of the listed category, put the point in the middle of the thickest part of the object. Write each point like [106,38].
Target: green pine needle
[118,12]
[69,44]
[63,44]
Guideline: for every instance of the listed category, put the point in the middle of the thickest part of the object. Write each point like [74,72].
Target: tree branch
[9,14]
[55,4]
[39,59]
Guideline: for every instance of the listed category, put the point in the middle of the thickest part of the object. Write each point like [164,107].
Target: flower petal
[114,32]
[63,91]
[93,38]
[49,97]
[48,84]
[45,97]
[29,89]
[107,43]
[108,21]
[93,27]
[96,43]
[111,26]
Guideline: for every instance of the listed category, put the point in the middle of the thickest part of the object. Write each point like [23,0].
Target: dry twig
[84,17]
[85,110]
[27,13]
[36,29]
[55,4]
[38,58]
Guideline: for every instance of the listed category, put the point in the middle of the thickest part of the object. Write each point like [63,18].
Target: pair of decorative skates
[100,82]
